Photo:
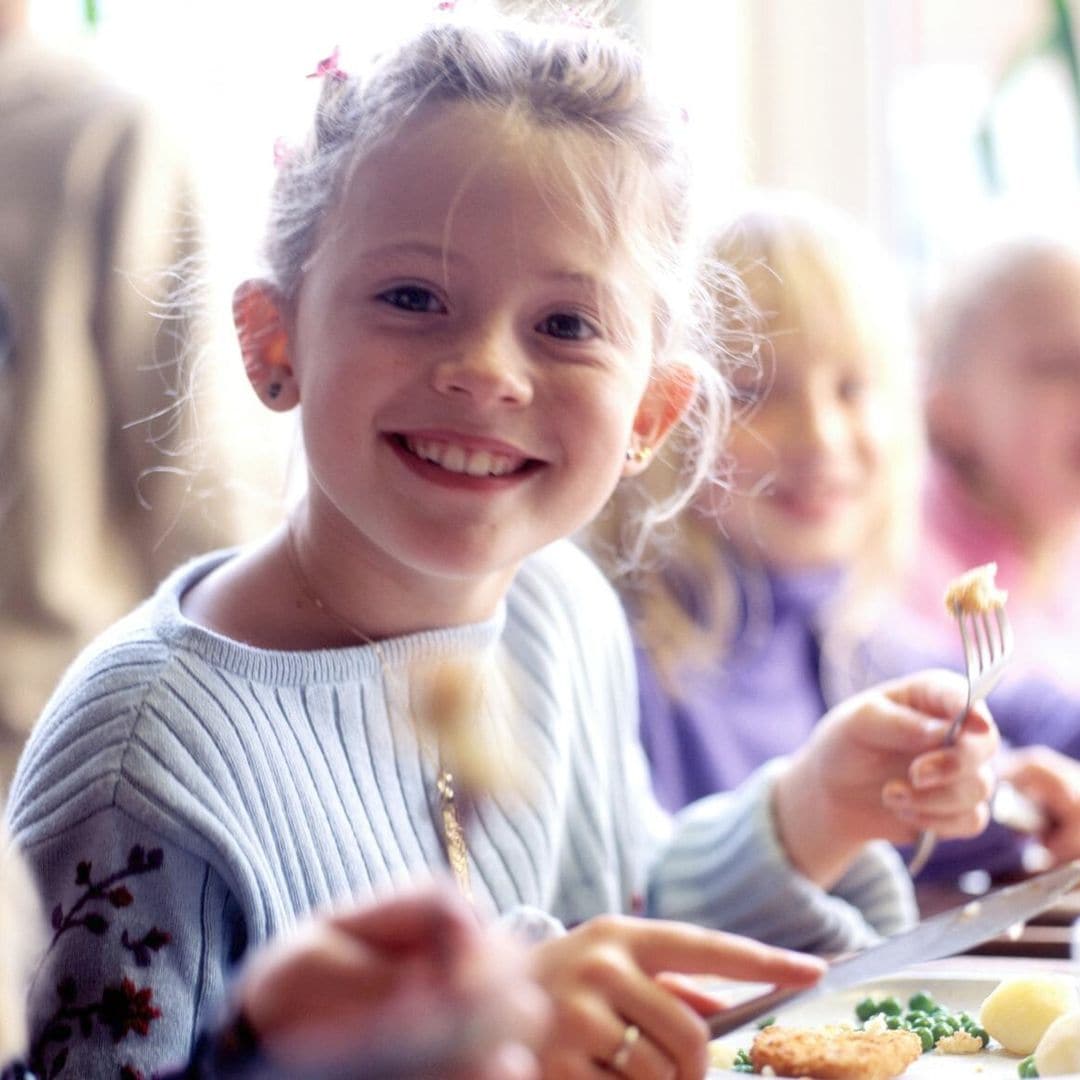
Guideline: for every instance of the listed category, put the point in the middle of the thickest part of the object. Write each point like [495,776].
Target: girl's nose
[816,426]
[491,368]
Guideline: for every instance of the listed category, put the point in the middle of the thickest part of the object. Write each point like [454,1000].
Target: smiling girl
[480,295]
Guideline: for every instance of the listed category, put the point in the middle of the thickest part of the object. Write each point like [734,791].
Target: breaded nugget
[975,591]
[835,1053]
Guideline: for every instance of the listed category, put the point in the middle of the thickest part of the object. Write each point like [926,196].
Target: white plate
[955,992]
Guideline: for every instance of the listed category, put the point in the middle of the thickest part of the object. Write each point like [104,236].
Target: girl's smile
[472,463]
[810,499]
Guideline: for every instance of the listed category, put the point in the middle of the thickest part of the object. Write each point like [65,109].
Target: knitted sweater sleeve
[141,925]
[134,960]
[724,867]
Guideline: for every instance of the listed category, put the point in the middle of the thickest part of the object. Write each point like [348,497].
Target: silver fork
[988,644]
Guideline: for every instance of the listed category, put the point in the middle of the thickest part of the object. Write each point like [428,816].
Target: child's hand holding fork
[876,768]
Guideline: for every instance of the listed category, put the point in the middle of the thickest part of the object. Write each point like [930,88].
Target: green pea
[921,1002]
[866,1008]
[890,1006]
[941,1031]
[1027,1067]
[926,1037]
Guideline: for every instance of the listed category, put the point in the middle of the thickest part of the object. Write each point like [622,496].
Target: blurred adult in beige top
[94,208]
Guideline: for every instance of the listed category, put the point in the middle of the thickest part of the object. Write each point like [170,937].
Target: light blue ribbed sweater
[186,797]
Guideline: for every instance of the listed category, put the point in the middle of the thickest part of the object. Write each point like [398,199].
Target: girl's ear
[259,316]
[667,397]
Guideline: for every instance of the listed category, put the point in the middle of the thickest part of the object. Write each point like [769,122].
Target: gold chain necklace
[453,834]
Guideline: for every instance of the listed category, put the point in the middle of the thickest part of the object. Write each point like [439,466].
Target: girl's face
[469,353]
[809,459]
[1012,410]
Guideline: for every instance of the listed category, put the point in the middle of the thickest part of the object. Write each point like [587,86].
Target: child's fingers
[957,804]
[659,945]
[949,826]
[670,1030]
[886,726]
[934,692]
[966,793]
[428,916]
[691,991]
[1049,778]
[969,757]
[511,1061]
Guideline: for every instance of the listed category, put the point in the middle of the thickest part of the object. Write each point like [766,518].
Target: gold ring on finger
[625,1048]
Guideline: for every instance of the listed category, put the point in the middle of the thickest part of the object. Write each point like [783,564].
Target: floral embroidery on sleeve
[122,1008]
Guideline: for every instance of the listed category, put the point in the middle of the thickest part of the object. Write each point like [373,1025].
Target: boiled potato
[1058,1052]
[1018,1011]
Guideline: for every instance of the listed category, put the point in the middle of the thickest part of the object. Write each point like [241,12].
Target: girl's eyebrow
[445,257]
[411,247]
[574,277]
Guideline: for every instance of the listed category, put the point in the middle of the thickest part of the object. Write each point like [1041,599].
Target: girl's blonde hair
[573,82]
[809,271]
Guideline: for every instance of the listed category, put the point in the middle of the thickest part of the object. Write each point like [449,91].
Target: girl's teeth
[480,464]
[458,459]
[454,459]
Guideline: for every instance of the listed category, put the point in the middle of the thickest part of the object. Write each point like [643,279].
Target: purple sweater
[763,700]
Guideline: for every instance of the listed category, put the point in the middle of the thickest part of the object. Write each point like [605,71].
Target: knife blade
[945,934]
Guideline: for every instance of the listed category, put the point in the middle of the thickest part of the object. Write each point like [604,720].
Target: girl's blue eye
[412,298]
[567,327]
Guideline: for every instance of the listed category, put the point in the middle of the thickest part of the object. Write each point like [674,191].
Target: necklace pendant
[454,835]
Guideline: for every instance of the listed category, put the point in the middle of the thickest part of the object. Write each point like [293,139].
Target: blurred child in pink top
[1002,350]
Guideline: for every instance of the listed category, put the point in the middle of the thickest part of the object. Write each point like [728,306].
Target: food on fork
[835,1052]
[974,591]
[1019,1010]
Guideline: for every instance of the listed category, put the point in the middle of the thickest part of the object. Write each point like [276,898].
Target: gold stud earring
[638,455]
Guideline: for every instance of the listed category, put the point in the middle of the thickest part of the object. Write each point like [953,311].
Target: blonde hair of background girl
[587,88]
[806,269]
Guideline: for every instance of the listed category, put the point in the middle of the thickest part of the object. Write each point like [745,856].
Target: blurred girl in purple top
[776,595]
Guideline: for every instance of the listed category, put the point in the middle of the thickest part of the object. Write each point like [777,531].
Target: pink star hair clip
[328,68]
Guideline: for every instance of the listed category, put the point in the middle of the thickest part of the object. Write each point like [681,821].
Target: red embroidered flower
[124,1009]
